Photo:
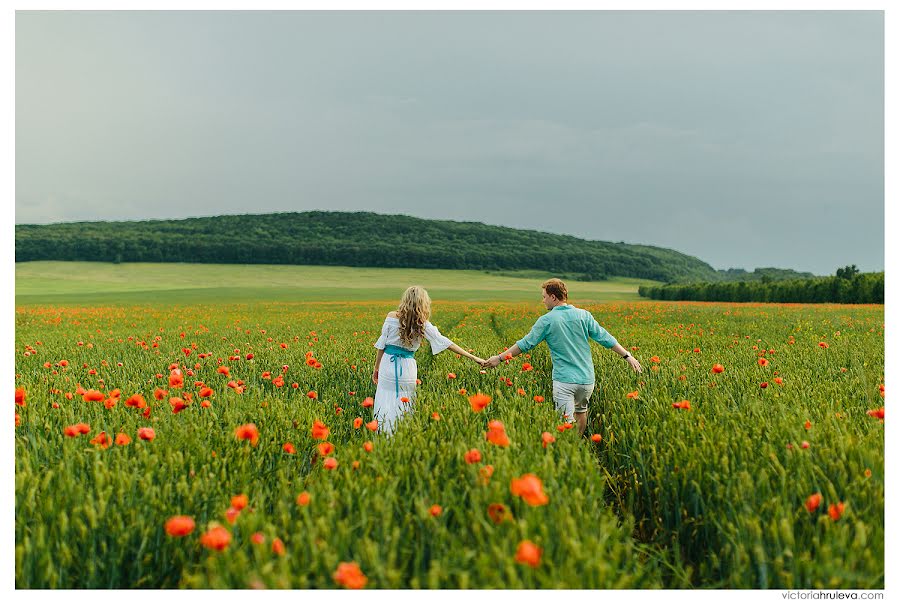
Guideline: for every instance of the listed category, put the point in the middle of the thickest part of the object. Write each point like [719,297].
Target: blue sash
[394,352]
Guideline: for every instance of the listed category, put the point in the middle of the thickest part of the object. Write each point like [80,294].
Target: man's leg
[581,421]
[564,400]
[582,399]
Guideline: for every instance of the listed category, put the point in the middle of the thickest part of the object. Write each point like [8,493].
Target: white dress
[388,407]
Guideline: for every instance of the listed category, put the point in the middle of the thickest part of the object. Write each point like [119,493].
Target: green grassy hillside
[180,283]
[353,239]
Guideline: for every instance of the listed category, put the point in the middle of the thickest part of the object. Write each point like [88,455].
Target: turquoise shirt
[566,330]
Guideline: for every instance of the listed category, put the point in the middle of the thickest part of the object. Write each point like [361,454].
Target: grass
[95,283]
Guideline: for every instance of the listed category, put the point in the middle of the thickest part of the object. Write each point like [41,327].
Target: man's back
[566,330]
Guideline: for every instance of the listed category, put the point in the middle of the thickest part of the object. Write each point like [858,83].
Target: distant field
[43,282]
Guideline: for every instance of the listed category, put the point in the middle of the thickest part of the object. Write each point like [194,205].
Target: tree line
[351,239]
[847,286]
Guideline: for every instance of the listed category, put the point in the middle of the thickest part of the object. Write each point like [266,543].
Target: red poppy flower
[102,440]
[368,403]
[319,430]
[547,438]
[835,511]
[596,438]
[122,439]
[93,396]
[683,404]
[813,502]
[435,510]
[312,395]
[217,538]
[357,422]
[20,396]
[179,526]
[368,446]
[288,448]
[473,456]
[146,433]
[278,547]
[372,425]
[325,448]
[239,502]
[137,401]
[178,405]
[303,499]
[527,367]
[479,401]
[530,489]
[247,432]
[231,514]
[176,379]
[330,463]
[538,398]
[878,413]
[349,575]
[498,513]
[496,434]
[528,554]
[717,368]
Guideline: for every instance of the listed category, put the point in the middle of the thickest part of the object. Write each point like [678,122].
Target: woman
[395,368]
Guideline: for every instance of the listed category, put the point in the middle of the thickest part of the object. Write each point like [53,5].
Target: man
[566,330]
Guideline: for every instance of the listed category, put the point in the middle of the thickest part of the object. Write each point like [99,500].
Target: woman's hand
[375,376]
[480,361]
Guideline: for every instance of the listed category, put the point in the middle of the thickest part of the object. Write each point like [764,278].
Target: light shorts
[571,398]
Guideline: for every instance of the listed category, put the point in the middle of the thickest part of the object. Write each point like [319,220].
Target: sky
[745,139]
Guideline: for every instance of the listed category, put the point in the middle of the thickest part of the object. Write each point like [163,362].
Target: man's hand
[492,362]
[634,364]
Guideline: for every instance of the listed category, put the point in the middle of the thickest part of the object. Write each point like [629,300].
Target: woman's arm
[378,356]
[462,352]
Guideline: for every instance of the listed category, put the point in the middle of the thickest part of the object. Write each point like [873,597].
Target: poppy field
[234,446]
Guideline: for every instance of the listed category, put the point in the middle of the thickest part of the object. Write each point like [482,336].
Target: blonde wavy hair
[413,311]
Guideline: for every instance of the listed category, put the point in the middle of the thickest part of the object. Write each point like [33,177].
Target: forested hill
[352,239]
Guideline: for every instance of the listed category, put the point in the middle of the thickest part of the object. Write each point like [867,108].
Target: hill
[360,239]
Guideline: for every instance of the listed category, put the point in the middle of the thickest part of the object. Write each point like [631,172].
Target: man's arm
[509,353]
[605,339]
[618,349]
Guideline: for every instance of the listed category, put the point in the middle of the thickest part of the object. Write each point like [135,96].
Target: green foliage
[847,287]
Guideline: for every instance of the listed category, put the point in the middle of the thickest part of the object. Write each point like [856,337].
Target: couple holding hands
[566,329]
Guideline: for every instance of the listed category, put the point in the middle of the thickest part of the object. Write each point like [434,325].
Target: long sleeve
[600,335]
[535,336]
[381,342]
[438,342]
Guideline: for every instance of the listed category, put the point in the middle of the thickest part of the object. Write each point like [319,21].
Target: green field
[748,454]
[188,283]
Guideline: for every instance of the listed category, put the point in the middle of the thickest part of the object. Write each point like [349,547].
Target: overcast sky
[746,139]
